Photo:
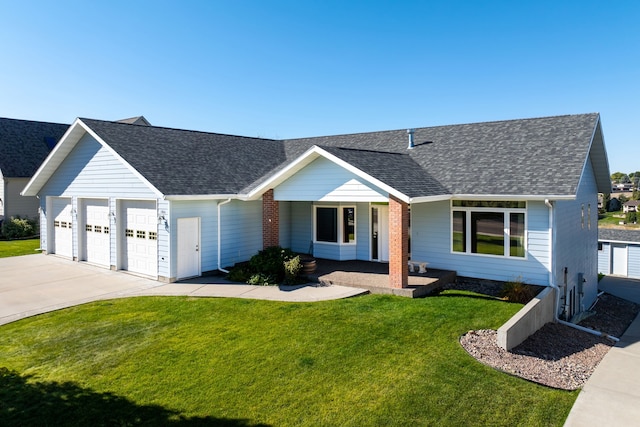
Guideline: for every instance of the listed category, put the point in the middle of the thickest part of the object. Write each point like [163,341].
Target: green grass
[372,360]
[18,247]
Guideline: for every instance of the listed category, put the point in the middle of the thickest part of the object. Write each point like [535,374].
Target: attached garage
[62,231]
[619,252]
[94,231]
[139,237]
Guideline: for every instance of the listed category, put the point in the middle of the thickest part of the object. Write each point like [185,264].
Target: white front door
[62,227]
[139,237]
[96,231]
[619,259]
[380,233]
[188,247]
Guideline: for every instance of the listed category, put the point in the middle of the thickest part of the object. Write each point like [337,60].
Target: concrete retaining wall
[528,320]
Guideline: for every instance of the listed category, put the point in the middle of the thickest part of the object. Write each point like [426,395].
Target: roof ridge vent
[411,143]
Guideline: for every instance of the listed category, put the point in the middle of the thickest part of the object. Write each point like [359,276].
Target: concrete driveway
[611,397]
[36,284]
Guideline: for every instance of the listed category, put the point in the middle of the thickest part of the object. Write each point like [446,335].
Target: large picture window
[488,228]
[335,224]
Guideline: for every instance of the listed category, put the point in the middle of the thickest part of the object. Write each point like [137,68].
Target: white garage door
[62,223]
[140,237]
[96,241]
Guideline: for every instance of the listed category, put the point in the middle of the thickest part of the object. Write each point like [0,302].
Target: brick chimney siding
[270,221]
[398,243]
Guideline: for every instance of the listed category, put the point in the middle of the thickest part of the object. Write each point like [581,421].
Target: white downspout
[219,237]
[554,285]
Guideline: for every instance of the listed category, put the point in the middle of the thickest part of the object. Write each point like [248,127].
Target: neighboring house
[630,206]
[499,200]
[24,144]
[619,252]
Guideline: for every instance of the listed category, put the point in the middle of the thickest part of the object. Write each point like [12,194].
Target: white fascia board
[309,156]
[124,162]
[625,242]
[519,197]
[54,159]
[201,196]
[426,199]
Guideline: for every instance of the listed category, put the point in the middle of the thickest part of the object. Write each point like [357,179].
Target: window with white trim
[335,224]
[488,227]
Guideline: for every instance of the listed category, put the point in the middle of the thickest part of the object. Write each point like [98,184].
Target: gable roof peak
[137,120]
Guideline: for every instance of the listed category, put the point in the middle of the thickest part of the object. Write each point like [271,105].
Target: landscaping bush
[292,268]
[16,228]
[517,291]
[240,273]
[262,279]
[270,266]
[632,217]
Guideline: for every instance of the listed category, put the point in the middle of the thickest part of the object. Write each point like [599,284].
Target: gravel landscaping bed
[557,356]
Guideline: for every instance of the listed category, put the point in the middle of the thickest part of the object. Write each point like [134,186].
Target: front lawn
[18,247]
[372,360]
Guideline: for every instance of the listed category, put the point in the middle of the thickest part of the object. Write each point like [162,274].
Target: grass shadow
[24,403]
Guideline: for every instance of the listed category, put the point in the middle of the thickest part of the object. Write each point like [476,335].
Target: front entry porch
[374,276]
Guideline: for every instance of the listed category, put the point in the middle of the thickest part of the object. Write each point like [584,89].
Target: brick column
[270,221]
[398,243]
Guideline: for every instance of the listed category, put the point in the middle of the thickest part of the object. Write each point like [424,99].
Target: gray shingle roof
[24,145]
[181,162]
[398,170]
[618,235]
[543,156]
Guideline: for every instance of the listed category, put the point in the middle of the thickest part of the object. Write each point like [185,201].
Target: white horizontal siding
[323,180]
[284,209]
[241,231]
[604,259]
[431,242]
[301,225]
[575,245]
[363,231]
[16,205]
[164,241]
[207,212]
[90,170]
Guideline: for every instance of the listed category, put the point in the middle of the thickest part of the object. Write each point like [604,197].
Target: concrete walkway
[611,397]
[36,284]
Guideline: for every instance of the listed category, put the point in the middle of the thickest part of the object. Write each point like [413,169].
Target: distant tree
[606,198]
[635,178]
[614,205]
[623,199]
[620,178]
[636,194]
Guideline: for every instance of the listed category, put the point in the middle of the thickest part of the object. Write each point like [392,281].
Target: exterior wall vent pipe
[411,145]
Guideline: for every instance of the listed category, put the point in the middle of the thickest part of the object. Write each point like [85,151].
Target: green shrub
[239,273]
[16,227]
[261,279]
[292,268]
[632,217]
[268,267]
[270,262]
[517,291]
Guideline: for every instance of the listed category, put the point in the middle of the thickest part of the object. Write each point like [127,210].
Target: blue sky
[285,69]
